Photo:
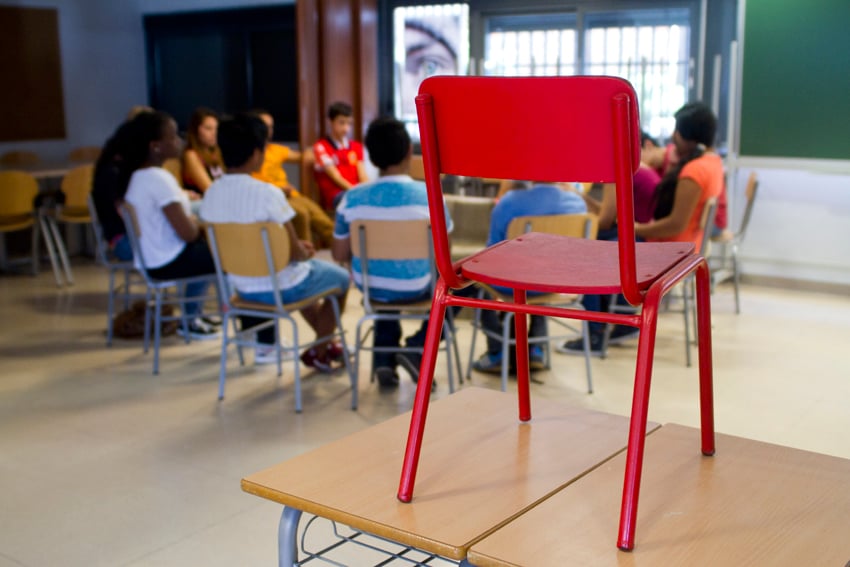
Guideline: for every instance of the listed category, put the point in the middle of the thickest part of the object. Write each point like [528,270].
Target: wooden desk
[480,468]
[751,504]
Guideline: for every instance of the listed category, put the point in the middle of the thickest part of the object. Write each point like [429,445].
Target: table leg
[287,537]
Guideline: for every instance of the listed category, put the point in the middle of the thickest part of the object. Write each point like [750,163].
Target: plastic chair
[19,157]
[731,243]
[18,191]
[262,250]
[76,187]
[377,240]
[88,154]
[113,266]
[156,293]
[576,225]
[579,128]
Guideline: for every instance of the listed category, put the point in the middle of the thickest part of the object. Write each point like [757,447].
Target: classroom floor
[102,463]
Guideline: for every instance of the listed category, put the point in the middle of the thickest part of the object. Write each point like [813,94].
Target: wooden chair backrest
[241,247]
[17,192]
[597,140]
[706,223]
[750,192]
[19,157]
[391,239]
[84,153]
[175,167]
[579,225]
[76,185]
[417,168]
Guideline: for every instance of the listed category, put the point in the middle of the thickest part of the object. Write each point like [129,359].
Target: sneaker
[488,363]
[536,358]
[323,364]
[266,354]
[212,320]
[576,346]
[335,351]
[623,333]
[411,362]
[199,331]
[387,377]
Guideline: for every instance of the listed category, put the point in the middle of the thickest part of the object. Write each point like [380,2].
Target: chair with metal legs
[570,128]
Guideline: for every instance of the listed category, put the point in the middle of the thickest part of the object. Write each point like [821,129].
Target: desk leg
[287,537]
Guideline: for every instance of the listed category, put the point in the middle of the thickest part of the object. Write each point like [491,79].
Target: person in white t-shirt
[237,197]
[170,237]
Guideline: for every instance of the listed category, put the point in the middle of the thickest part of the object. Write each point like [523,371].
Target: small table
[479,469]
[752,504]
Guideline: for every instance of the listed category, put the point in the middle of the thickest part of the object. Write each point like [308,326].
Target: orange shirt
[272,169]
[707,172]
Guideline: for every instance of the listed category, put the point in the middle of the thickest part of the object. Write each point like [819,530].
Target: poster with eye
[428,40]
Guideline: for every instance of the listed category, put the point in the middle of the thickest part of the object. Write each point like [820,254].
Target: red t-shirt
[345,157]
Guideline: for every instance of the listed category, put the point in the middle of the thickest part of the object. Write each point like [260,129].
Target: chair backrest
[134,234]
[250,249]
[19,157]
[84,153]
[17,193]
[577,129]
[417,168]
[175,167]
[750,192]
[77,185]
[578,225]
[706,224]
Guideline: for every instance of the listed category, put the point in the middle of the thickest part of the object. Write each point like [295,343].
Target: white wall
[103,70]
[800,226]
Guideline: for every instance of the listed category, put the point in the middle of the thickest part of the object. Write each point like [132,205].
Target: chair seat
[240,303]
[563,264]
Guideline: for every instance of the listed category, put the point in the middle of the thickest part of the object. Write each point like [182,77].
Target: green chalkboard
[796,79]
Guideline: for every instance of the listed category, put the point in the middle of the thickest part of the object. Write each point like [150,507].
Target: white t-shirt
[239,198]
[150,190]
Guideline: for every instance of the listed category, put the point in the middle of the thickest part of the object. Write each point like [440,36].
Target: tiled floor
[102,463]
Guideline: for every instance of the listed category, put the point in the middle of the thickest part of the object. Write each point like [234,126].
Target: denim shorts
[323,276]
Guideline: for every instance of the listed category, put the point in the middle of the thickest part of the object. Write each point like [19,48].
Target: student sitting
[339,160]
[202,161]
[170,236]
[239,198]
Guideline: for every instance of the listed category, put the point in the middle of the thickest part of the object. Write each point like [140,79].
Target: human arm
[337,177]
[195,171]
[185,226]
[685,202]
[607,208]
[361,172]
[341,249]
[299,250]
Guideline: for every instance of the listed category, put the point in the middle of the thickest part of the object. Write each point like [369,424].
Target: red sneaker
[335,352]
[312,359]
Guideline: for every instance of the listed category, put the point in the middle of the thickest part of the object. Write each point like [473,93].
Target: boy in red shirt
[339,160]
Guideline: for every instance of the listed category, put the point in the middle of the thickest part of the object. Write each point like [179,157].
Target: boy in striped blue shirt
[393,196]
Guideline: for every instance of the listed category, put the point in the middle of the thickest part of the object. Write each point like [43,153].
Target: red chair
[556,129]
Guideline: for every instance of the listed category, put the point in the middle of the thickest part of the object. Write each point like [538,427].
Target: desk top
[751,504]
[479,468]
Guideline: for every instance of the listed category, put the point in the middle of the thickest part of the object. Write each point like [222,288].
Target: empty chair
[87,154]
[726,264]
[579,225]
[18,191]
[113,266]
[595,124]
[19,157]
[262,250]
[382,240]
[76,187]
[156,295]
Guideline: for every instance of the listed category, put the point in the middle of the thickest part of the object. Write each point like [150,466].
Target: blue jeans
[388,334]
[121,248]
[323,276]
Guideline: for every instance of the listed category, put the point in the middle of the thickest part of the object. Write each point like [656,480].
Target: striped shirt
[392,197]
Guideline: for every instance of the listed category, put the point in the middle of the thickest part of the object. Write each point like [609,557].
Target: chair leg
[61,250]
[451,322]
[423,393]
[506,348]
[522,372]
[110,307]
[297,363]
[475,324]
[585,332]
[148,299]
[686,312]
[345,357]
[637,425]
[222,371]
[157,330]
[706,372]
[448,338]
[736,279]
[51,251]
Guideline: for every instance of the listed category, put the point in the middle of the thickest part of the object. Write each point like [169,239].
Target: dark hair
[387,141]
[340,109]
[695,122]
[210,156]
[240,136]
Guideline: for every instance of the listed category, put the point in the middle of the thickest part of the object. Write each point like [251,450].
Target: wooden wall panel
[31,100]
